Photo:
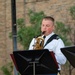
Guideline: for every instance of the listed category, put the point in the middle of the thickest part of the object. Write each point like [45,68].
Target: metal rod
[14,29]
[33,68]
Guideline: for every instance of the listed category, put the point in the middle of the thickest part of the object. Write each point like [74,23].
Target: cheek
[49,30]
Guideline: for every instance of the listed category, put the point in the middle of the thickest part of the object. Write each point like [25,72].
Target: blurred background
[27,18]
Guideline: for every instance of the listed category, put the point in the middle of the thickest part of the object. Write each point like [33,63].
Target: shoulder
[55,36]
[58,40]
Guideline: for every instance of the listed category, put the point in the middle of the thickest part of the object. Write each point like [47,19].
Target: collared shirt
[55,45]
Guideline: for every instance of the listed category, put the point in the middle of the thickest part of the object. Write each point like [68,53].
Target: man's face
[47,26]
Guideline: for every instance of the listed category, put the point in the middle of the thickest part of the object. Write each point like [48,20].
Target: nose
[44,27]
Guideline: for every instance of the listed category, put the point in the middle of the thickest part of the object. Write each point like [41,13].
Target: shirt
[55,45]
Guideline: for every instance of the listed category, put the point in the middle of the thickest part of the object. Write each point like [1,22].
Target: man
[54,44]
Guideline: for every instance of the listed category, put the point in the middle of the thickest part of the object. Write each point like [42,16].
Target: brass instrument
[39,42]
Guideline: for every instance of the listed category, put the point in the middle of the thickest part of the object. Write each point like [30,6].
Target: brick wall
[59,9]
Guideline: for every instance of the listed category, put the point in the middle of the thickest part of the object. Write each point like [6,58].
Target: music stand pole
[33,63]
[34,68]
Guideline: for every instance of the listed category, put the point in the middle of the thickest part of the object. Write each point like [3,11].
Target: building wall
[59,9]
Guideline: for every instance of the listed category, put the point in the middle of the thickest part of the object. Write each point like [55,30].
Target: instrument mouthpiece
[43,32]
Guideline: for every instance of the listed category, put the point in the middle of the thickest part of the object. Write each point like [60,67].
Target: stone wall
[59,9]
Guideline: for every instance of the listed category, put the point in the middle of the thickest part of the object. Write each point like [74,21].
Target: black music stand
[34,62]
[69,52]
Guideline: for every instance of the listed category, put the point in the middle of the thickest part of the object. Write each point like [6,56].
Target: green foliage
[35,17]
[7,69]
[35,20]
[20,23]
[63,31]
[72,11]
[26,33]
